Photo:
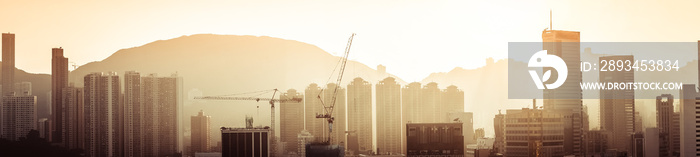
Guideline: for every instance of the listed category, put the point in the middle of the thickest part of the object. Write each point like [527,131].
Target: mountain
[41,86]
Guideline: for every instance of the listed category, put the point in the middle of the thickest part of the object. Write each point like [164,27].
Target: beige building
[338,133]
[291,119]
[200,126]
[360,112]
[312,107]
[389,117]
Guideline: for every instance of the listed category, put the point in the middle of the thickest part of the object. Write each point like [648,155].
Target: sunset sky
[411,38]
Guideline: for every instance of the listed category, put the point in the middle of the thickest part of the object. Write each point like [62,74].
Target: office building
[534,132]
[566,99]
[665,124]
[200,139]
[389,122]
[359,106]
[59,80]
[617,106]
[596,142]
[249,142]
[291,119]
[102,114]
[434,139]
[19,116]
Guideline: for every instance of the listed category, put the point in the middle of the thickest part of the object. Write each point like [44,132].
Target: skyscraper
[411,102]
[59,80]
[162,99]
[432,99]
[8,63]
[102,118]
[389,122]
[566,99]
[690,107]
[133,123]
[360,112]
[617,106]
[291,119]
[312,106]
[73,104]
[200,126]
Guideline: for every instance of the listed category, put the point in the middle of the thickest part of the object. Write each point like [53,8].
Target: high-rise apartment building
[452,100]
[432,100]
[102,115]
[389,122]
[200,136]
[73,104]
[59,80]
[19,116]
[312,107]
[411,100]
[162,101]
[291,119]
[8,63]
[338,133]
[617,106]
[359,106]
[133,121]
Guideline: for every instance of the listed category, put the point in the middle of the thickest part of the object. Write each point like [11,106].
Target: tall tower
[201,138]
[133,136]
[8,63]
[360,112]
[312,106]
[566,99]
[59,80]
[161,103]
[291,119]
[664,123]
[102,118]
[389,122]
[617,106]
[411,101]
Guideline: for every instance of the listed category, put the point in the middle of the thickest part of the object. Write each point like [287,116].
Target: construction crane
[328,115]
[271,100]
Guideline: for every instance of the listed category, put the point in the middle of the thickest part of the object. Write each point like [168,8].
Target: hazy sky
[412,38]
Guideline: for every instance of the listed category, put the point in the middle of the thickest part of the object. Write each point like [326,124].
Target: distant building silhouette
[291,119]
[59,80]
[617,106]
[499,125]
[23,89]
[102,116]
[200,137]
[360,112]
[389,129]
[431,101]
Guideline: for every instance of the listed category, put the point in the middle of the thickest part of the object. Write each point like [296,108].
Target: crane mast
[329,109]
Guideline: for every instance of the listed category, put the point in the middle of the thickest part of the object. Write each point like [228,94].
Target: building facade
[253,142]
[434,139]
[73,101]
[19,116]
[534,132]
[103,115]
